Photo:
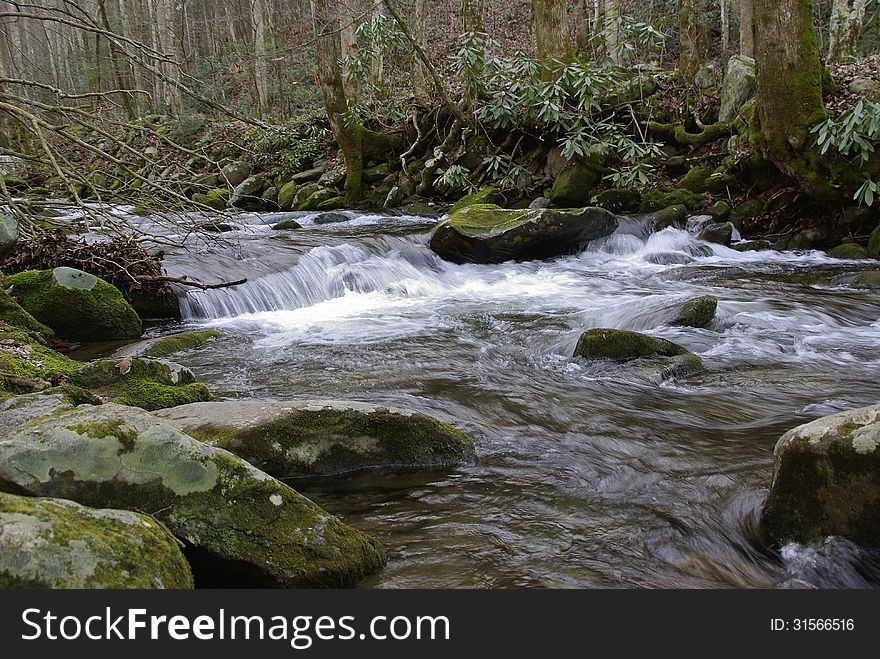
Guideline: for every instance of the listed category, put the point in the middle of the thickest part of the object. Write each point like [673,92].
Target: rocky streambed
[605,417]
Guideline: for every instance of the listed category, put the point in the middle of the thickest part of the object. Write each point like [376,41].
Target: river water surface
[587,475]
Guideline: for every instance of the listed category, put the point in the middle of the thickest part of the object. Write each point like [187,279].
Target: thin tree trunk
[583,26]
[472,16]
[689,57]
[351,15]
[612,32]
[847,18]
[421,83]
[349,134]
[261,69]
[725,32]
[746,28]
[114,63]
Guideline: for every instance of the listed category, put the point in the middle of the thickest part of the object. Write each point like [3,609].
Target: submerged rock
[654,359]
[696,312]
[307,438]
[488,234]
[151,384]
[233,514]
[331,218]
[752,246]
[869,279]
[287,225]
[54,543]
[826,480]
[75,304]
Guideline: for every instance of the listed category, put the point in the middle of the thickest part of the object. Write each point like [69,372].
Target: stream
[587,476]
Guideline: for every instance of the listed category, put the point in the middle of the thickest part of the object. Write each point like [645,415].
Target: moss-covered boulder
[653,358]
[287,225]
[671,216]
[172,344]
[19,410]
[75,304]
[697,179]
[489,234]
[720,211]
[12,313]
[739,86]
[241,521]
[660,198]
[718,232]
[308,438]
[247,195]
[215,199]
[874,244]
[332,203]
[696,312]
[27,364]
[54,543]
[870,279]
[574,186]
[151,384]
[486,195]
[618,200]
[287,195]
[848,251]
[235,173]
[826,480]
[747,210]
[316,198]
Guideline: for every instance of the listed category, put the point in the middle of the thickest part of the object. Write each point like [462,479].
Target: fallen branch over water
[183,281]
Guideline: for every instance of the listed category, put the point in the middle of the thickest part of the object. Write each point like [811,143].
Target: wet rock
[8,233]
[669,258]
[287,225]
[487,195]
[331,218]
[211,199]
[287,195]
[248,524]
[151,384]
[54,543]
[739,86]
[75,304]
[869,279]
[826,480]
[247,194]
[489,234]
[671,216]
[718,232]
[308,438]
[720,211]
[540,202]
[746,211]
[752,245]
[308,176]
[848,251]
[169,345]
[316,198]
[574,186]
[696,312]
[235,173]
[653,359]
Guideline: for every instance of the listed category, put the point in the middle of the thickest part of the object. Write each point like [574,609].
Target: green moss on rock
[75,304]
[574,186]
[24,357]
[874,244]
[287,195]
[308,438]
[660,198]
[486,195]
[623,345]
[54,543]
[169,345]
[12,313]
[287,225]
[208,497]
[697,312]
[671,216]
[849,251]
[826,480]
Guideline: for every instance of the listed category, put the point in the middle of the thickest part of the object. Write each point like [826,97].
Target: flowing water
[587,474]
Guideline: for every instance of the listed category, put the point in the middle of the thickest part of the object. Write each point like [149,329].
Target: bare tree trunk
[689,57]
[261,69]
[352,14]
[746,28]
[789,73]
[551,32]
[612,32]
[349,133]
[421,82]
[725,32]
[582,38]
[472,16]
[114,62]
[847,18]
[377,71]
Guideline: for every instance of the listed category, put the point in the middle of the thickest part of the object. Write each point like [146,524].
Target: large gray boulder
[236,172]
[307,438]
[826,480]
[739,86]
[247,195]
[485,233]
[19,410]
[54,543]
[233,514]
